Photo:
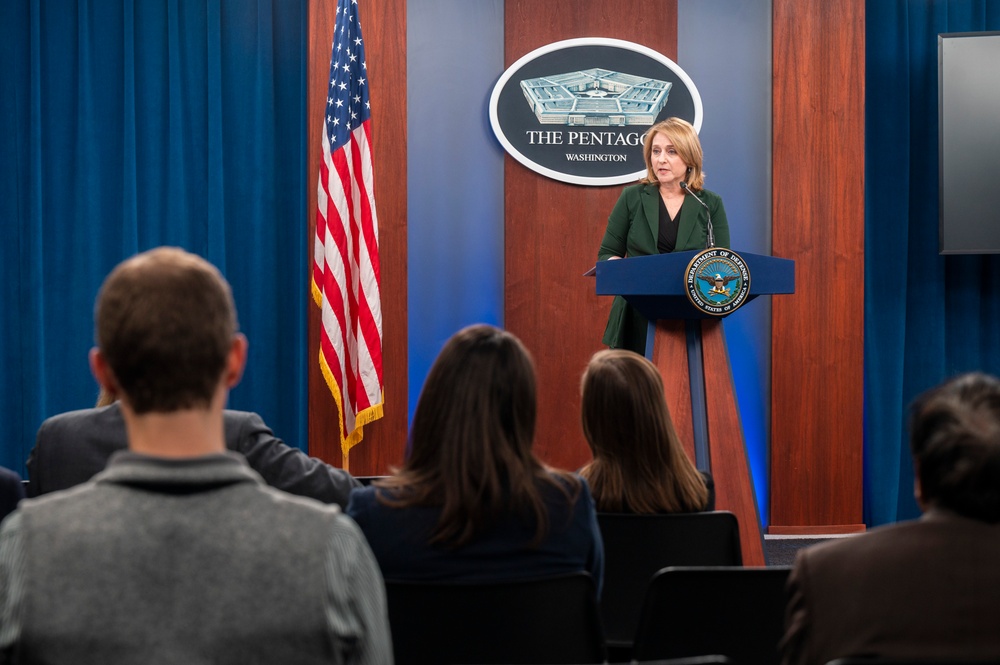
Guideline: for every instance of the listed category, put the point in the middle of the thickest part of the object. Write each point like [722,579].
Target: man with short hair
[923,589]
[177,552]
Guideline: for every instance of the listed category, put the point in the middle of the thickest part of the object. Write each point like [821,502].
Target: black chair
[877,660]
[736,612]
[545,620]
[637,546]
[696,660]
[368,480]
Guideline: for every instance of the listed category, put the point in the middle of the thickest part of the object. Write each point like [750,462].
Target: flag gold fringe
[317,294]
[369,415]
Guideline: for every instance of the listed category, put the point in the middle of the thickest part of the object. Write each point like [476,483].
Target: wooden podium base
[821,530]
[698,384]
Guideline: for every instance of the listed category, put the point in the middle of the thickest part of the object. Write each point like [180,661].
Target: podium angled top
[656,285]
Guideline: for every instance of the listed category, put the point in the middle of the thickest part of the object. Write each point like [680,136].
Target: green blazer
[633,229]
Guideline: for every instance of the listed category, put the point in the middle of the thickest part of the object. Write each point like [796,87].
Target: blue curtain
[131,124]
[927,316]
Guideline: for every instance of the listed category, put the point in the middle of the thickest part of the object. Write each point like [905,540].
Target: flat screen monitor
[969,142]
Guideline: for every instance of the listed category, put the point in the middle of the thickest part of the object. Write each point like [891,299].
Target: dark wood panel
[553,229]
[818,208]
[384,29]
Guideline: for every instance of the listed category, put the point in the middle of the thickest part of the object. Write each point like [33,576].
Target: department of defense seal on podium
[718,281]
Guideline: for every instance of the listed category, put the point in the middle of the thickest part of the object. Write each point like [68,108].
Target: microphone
[711,233]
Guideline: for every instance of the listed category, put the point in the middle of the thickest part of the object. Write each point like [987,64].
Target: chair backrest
[368,480]
[736,612]
[637,546]
[876,660]
[544,620]
[695,660]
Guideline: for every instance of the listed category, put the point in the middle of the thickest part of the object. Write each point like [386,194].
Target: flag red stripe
[342,240]
[371,240]
[335,300]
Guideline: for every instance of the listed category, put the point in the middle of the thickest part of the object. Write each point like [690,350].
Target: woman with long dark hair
[472,502]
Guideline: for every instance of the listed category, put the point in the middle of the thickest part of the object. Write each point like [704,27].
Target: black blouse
[667,239]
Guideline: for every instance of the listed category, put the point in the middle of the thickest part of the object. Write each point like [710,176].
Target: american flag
[346,277]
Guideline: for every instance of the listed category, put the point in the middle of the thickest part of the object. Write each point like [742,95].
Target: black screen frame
[969,142]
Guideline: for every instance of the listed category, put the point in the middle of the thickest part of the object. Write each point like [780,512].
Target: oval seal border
[719,267]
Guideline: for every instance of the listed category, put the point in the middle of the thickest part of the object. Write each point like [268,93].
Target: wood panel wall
[819,221]
[383,25]
[553,229]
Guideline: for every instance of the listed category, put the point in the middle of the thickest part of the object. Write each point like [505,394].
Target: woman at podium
[668,210]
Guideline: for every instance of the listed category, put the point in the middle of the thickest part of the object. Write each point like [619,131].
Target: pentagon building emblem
[578,110]
[596,97]
[718,281]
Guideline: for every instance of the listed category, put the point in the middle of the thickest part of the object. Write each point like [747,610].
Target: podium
[688,347]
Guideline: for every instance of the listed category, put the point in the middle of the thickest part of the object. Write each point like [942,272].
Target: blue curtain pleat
[15,96]
[927,317]
[135,124]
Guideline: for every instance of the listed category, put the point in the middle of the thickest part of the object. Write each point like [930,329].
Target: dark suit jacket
[11,491]
[633,229]
[399,538]
[72,447]
[928,589]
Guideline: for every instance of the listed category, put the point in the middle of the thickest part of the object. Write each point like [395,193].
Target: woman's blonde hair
[639,463]
[685,140]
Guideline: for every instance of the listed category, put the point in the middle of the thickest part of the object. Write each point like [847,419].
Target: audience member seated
[921,589]
[177,552]
[639,463]
[71,448]
[11,491]
[472,502]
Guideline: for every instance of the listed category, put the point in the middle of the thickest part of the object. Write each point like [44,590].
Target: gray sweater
[187,561]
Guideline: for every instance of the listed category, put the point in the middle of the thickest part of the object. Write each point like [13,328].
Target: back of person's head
[477,407]
[639,463]
[472,435]
[165,322]
[955,441]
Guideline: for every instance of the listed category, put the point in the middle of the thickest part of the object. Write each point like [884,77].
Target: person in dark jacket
[11,491]
[72,447]
[923,589]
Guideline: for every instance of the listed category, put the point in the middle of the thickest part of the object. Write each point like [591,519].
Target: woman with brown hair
[472,502]
[639,464]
